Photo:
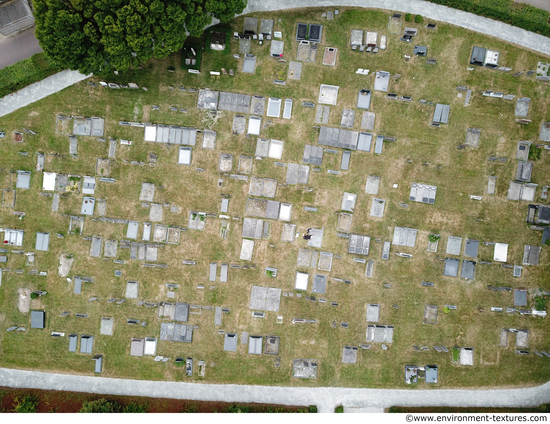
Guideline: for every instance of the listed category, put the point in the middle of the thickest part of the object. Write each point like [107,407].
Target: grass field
[420,154]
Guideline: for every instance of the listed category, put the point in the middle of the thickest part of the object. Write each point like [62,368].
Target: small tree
[418,19]
[34,295]
[101,406]
[408,17]
[25,404]
[339,409]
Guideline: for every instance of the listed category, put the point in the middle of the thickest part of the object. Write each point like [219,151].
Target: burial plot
[160,233]
[274,107]
[468,270]
[307,51]
[373,312]
[233,102]
[522,107]
[156,212]
[307,258]
[348,117]
[381,81]
[377,208]
[344,222]
[394,26]
[245,164]
[297,174]
[451,267]
[336,137]
[209,136]
[367,121]
[249,64]
[111,247]
[471,248]
[264,187]
[207,99]
[348,202]
[316,238]
[520,297]
[491,185]
[373,184]
[313,155]
[263,208]
[225,163]
[358,244]
[304,368]
[328,94]
[88,204]
[322,114]
[137,347]
[531,255]
[23,180]
[252,228]
[8,198]
[132,290]
[95,249]
[106,326]
[430,314]
[404,236]
[254,125]
[265,299]
[386,250]
[380,333]
[288,233]
[423,193]
[524,171]
[500,252]
[230,342]
[522,151]
[441,114]
[521,191]
[294,70]
[454,245]
[349,355]
[86,344]
[319,284]
[472,137]
[325,261]
[247,250]
[364,142]
[272,345]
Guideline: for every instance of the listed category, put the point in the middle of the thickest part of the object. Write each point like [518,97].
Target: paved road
[18,47]
[326,399]
[39,90]
[466,20]
[541,4]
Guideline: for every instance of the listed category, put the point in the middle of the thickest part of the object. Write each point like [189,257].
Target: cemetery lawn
[420,154]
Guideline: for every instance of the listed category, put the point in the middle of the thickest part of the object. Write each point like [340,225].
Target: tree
[105,35]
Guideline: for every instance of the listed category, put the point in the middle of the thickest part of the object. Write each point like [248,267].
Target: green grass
[457,173]
[25,404]
[25,72]
[521,15]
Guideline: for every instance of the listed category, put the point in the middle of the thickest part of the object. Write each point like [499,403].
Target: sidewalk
[39,90]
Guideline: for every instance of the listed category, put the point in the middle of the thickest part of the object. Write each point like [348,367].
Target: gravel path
[326,399]
[466,20]
[39,90]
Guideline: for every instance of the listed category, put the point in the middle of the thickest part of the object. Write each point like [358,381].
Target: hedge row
[517,14]
[25,72]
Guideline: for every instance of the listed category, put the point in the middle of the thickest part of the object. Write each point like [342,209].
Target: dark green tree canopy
[103,35]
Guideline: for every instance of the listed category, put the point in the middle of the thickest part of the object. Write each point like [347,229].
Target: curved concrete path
[326,398]
[466,20]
